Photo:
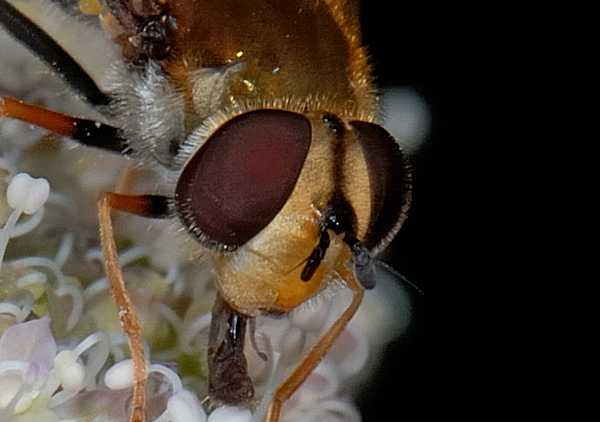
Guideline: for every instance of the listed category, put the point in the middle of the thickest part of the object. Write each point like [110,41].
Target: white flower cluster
[44,378]
[63,356]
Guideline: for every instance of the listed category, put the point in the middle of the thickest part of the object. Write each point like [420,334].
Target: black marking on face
[338,217]
[315,258]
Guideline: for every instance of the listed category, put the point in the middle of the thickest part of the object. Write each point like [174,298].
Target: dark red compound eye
[389,178]
[242,176]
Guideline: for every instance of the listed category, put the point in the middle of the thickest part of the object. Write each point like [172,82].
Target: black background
[508,322]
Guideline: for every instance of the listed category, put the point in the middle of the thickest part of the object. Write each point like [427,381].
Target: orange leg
[126,312]
[312,359]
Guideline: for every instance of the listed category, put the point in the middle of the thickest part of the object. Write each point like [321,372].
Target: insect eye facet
[389,179]
[242,176]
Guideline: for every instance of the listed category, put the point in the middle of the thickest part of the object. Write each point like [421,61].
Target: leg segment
[126,312]
[87,132]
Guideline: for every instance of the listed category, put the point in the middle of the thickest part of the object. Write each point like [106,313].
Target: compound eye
[241,177]
[389,179]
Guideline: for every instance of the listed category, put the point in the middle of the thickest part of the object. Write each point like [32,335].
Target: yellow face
[269,184]
[264,273]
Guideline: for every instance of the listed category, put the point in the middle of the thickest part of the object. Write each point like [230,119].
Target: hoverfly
[265,113]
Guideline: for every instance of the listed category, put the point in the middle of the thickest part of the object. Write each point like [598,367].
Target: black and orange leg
[88,132]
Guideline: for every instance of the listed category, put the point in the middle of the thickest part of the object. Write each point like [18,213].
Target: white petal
[120,375]
[185,407]
[230,414]
[29,341]
[27,193]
